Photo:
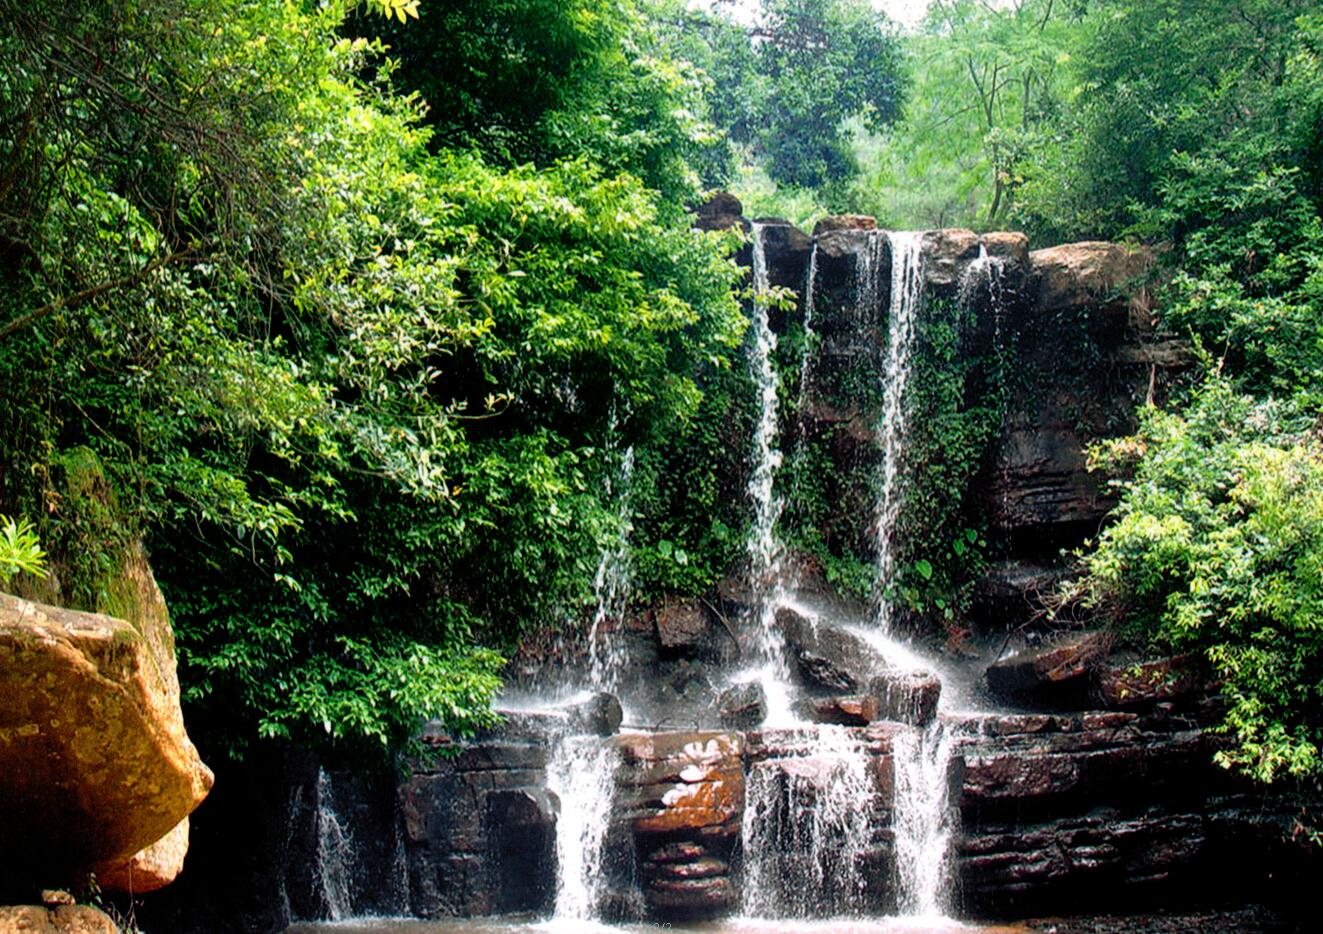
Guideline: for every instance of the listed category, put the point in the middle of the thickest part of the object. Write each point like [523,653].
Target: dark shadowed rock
[743,706]
[827,658]
[1009,593]
[601,714]
[683,627]
[1045,671]
[721,211]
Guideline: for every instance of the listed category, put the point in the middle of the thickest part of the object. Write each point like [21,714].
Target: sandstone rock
[946,253]
[66,919]
[94,761]
[1064,662]
[683,627]
[1148,682]
[1086,274]
[850,710]
[1013,245]
[844,222]
[743,706]
[682,796]
[150,868]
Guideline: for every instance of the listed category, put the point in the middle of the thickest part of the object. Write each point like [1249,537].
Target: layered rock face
[95,764]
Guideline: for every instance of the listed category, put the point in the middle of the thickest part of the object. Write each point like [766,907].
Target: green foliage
[545,80]
[958,398]
[1155,83]
[989,82]
[788,86]
[20,550]
[355,387]
[1217,548]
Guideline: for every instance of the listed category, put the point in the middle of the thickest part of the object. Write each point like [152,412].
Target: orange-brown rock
[64,919]
[1011,244]
[844,222]
[149,869]
[95,764]
[946,253]
[1089,273]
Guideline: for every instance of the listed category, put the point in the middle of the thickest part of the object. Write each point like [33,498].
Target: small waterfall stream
[766,556]
[581,773]
[335,854]
[905,301]
[611,584]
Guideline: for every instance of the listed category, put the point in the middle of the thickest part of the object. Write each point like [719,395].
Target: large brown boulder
[1086,274]
[95,764]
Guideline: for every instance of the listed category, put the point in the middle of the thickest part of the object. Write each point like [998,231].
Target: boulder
[150,868]
[827,658]
[1148,682]
[844,222]
[906,696]
[946,253]
[598,713]
[721,211]
[1012,245]
[95,764]
[850,710]
[1046,671]
[64,919]
[742,706]
[1087,274]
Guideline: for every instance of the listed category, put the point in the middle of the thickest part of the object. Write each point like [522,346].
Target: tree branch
[78,298]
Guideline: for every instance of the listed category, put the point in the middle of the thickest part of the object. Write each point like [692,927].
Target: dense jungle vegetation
[358,306]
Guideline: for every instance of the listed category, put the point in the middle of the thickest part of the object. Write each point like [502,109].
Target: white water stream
[905,301]
[611,584]
[581,773]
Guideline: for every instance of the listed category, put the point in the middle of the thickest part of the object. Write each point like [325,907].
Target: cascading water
[335,854]
[765,552]
[905,300]
[808,829]
[359,866]
[611,584]
[581,773]
[923,818]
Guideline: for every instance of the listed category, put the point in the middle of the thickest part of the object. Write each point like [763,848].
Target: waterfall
[764,549]
[581,773]
[923,818]
[766,571]
[611,583]
[335,854]
[808,829]
[905,300]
